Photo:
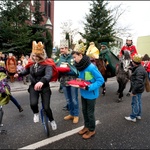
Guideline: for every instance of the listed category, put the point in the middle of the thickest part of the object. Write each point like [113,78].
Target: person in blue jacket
[88,72]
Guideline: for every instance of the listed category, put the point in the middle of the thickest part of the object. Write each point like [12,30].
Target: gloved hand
[3,95]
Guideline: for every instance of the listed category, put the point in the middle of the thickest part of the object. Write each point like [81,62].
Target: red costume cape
[48,62]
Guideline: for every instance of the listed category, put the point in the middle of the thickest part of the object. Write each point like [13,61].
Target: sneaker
[130,119]
[138,117]
[36,118]
[54,125]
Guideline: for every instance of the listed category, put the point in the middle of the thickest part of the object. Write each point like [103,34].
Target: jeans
[15,101]
[71,95]
[136,106]
[88,109]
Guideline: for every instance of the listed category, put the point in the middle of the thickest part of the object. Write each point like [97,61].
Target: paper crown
[80,48]
[37,48]
[63,43]
[93,51]
[137,58]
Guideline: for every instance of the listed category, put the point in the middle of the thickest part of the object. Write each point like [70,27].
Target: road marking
[54,138]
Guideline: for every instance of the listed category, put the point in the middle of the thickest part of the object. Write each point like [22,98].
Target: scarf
[84,63]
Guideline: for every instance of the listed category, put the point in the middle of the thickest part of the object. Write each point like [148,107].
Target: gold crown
[93,51]
[137,58]
[80,48]
[37,48]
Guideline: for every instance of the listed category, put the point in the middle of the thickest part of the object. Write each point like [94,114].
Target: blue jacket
[92,74]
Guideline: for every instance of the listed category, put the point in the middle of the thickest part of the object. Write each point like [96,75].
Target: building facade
[143,45]
[117,45]
[47,8]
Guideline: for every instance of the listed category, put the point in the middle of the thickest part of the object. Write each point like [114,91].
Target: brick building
[47,7]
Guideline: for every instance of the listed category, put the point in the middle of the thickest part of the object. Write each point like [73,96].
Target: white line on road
[54,138]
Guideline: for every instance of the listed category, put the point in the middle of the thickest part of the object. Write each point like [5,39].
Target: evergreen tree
[48,44]
[39,32]
[99,24]
[38,16]
[14,31]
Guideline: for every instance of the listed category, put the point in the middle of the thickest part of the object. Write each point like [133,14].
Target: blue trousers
[136,106]
[15,101]
[71,95]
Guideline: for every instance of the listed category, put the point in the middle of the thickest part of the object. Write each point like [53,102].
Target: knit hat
[63,43]
[93,51]
[80,48]
[104,43]
[137,58]
[37,48]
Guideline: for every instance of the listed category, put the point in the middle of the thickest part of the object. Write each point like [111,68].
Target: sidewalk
[20,86]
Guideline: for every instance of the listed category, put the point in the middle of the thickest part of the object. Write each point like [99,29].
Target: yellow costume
[92,51]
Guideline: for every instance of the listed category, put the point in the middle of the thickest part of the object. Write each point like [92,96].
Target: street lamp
[48,24]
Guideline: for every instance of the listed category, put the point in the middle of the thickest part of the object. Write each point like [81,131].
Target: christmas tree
[99,24]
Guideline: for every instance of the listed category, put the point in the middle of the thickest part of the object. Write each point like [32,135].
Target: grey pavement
[20,86]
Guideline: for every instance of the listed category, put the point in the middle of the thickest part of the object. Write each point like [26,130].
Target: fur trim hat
[93,51]
[63,43]
[137,58]
[80,48]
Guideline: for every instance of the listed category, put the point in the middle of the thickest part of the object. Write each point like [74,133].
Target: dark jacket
[138,79]
[42,73]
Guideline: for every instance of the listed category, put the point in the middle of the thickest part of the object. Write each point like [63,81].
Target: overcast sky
[137,15]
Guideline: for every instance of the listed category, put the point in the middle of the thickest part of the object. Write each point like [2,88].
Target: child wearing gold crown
[40,71]
[138,78]
[88,72]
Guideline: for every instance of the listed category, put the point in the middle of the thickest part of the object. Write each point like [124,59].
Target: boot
[20,109]
[88,134]
[84,130]
[69,117]
[75,119]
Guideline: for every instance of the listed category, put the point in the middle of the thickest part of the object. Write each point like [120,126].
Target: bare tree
[118,13]
[68,32]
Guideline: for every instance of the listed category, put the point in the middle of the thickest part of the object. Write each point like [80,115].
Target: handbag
[147,84]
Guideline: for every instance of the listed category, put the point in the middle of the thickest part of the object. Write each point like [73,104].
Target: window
[49,9]
[45,7]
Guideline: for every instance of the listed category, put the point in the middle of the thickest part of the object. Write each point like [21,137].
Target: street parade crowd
[77,71]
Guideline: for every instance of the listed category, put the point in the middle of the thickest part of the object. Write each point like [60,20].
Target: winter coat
[38,72]
[92,74]
[138,79]
[67,76]
[131,48]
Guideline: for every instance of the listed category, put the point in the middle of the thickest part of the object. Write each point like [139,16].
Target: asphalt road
[112,132]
